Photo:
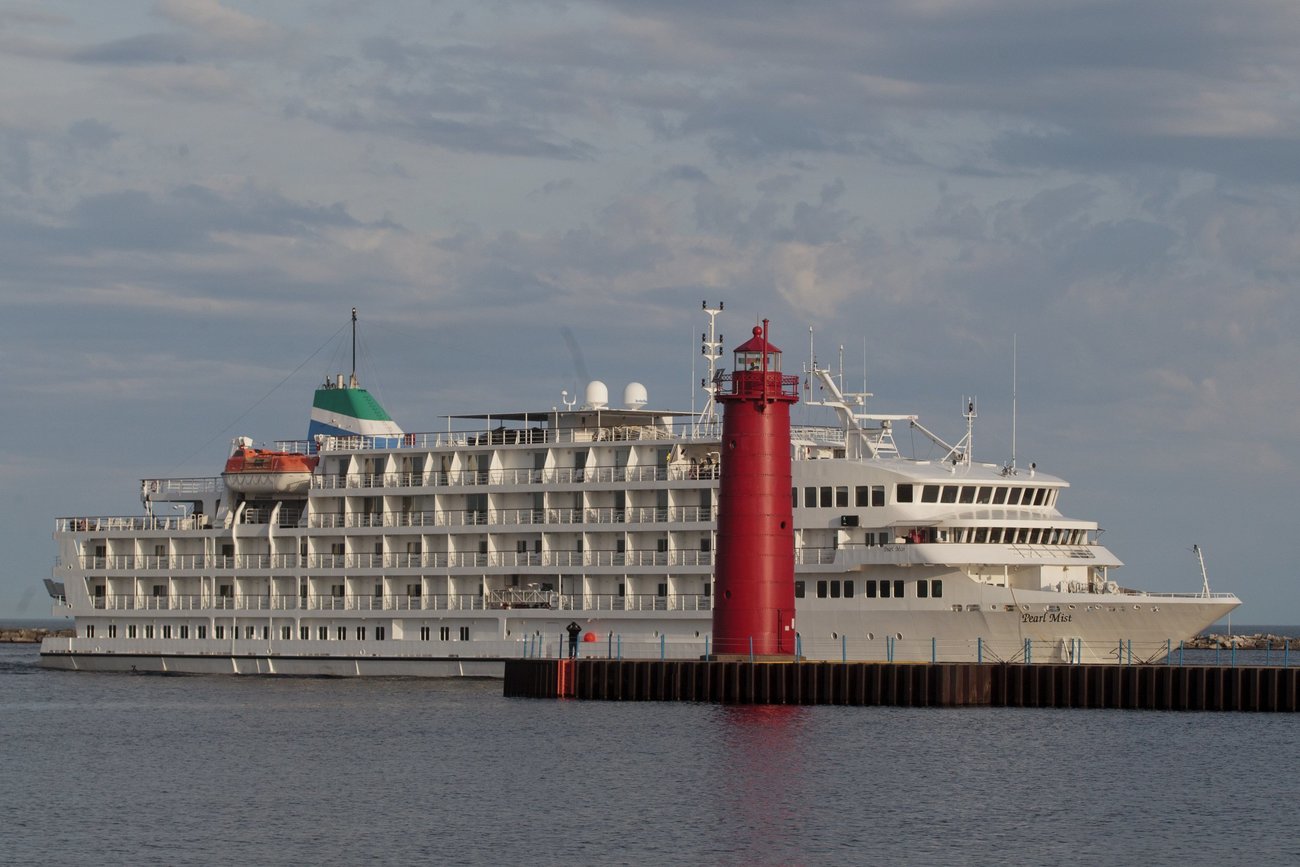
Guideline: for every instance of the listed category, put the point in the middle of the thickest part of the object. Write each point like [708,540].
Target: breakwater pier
[957,684]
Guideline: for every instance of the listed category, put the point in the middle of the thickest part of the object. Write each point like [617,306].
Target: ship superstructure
[399,553]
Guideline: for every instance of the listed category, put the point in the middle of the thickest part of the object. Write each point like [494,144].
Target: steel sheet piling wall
[949,684]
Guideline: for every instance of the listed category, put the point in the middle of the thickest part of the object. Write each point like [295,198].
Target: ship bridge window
[1040,496]
[984,496]
[842,497]
[862,496]
[999,496]
[903,494]
[967,493]
[949,494]
[930,494]
[878,496]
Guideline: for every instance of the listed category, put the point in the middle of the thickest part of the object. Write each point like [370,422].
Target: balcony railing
[493,600]
[137,563]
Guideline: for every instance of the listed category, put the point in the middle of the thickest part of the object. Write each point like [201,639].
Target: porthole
[731,444]
[898,636]
[697,633]
[783,525]
[726,594]
[871,636]
[1071,607]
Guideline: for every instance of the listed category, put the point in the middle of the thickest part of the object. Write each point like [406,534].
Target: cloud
[217,22]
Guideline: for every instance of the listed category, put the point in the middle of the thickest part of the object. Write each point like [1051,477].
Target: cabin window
[826,497]
[904,494]
[798,589]
[342,633]
[871,589]
[167,630]
[898,589]
[794,498]
[201,631]
[444,633]
[112,630]
[981,535]
[90,630]
[379,633]
[884,589]
[848,589]
[835,590]
[286,633]
[424,633]
[361,633]
[130,631]
[922,589]
[661,590]
[862,496]
[185,631]
[809,497]
[464,633]
[821,589]
[842,497]
[218,631]
[304,633]
[878,495]
[930,494]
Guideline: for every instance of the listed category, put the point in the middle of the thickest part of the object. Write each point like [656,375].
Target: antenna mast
[711,349]
[352,381]
[1013,403]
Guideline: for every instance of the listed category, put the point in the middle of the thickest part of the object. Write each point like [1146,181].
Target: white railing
[511,436]
[518,477]
[509,598]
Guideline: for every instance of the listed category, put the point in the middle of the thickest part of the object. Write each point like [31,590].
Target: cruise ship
[367,549]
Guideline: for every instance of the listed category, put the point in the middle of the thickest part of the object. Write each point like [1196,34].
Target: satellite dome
[597,395]
[634,396]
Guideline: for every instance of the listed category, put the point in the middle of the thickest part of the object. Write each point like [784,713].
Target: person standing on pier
[574,631]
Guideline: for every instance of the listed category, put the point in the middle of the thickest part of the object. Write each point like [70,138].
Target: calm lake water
[117,769]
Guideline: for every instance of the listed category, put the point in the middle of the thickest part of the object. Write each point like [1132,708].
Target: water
[200,770]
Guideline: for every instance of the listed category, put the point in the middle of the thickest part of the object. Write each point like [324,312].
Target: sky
[521,196]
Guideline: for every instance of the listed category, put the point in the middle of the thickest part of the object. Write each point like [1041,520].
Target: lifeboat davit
[265,471]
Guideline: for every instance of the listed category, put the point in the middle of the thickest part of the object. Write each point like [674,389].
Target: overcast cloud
[194,193]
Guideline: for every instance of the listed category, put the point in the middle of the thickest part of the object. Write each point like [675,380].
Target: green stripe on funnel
[354,402]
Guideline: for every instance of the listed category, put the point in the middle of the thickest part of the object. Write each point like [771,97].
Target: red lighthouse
[753,606]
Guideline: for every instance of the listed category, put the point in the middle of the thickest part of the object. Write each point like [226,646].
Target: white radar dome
[597,395]
[634,396]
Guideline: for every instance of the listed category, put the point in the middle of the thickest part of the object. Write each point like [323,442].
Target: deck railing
[496,599]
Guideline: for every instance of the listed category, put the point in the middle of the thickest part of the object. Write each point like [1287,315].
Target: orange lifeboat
[265,471]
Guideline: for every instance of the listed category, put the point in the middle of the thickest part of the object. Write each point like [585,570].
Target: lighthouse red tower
[754,576]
